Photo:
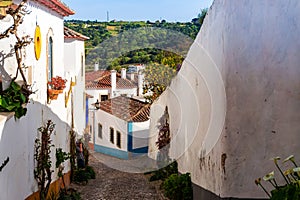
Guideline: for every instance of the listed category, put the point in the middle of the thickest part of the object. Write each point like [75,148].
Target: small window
[50,58]
[100,131]
[91,130]
[118,139]
[104,97]
[111,135]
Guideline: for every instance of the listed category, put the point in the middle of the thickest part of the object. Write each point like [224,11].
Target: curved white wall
[255,47]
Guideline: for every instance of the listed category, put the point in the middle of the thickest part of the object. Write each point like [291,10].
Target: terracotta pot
[53,94]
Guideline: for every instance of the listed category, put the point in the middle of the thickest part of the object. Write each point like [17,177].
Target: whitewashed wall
[255,46]
[74,50]
[107,120]
[140,134]
[17,137]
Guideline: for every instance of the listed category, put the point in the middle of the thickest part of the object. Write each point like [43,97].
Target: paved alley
[112,184]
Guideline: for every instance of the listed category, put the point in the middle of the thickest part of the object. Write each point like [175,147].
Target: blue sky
[136,10]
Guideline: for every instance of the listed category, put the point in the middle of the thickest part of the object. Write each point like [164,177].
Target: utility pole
[107,16]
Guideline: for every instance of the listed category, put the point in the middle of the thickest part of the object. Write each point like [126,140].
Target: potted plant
[56,86]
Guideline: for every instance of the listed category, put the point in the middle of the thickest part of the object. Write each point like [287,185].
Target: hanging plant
[13,99]
[56,87]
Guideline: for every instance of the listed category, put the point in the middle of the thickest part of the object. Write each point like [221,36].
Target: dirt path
[111,184]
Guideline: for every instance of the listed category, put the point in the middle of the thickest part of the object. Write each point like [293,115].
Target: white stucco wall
[74,57]
[107,120]
[254,46]
[140,134]
[17,136]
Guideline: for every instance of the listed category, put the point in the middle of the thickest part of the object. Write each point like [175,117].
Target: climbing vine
[42,171]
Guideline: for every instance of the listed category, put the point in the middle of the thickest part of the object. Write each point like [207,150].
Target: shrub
[91,171]
[178,187]
[165,172]
[83,175]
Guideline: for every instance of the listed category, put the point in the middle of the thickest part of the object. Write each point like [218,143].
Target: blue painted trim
[111,151]
[129,136]
[140,150]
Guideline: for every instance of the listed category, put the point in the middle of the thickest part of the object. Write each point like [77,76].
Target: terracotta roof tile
[57,6]
[127,108]
[102,80]
[69,33]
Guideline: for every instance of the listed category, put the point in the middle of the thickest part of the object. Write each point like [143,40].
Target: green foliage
[91,171]
[42,171]
[70,194]
[83,175]
[165,172]
[157,78]
[178,187]
[61,156]
[12,100]
[287,192]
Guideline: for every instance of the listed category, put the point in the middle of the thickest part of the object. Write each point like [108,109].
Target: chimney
[123,73]
[140,83]
[113,78]
[131,76]
[96,67]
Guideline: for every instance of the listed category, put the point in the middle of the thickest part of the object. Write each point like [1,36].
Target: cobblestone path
[111,184]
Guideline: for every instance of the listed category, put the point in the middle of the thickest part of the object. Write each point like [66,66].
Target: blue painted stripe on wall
[140,150]
[110,151]
[129,139]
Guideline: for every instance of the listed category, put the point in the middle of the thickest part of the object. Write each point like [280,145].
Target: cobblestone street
[111,184]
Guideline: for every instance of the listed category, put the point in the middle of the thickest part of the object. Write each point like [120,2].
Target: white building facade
[234,104]
[17,136]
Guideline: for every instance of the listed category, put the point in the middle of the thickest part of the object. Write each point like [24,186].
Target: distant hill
[120,43]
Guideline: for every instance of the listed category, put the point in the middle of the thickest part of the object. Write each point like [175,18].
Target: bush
[83,175]
[288,192]
[69,195]
[91,171]
[178,187]
[165,172]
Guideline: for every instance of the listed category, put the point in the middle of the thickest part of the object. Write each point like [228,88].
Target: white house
[235,102]
[17,136]
[121,127]
[105,84]
[74,60]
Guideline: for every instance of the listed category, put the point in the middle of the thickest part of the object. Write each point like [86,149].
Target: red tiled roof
[127,108]
[69,33]
[57,6]
[102,80]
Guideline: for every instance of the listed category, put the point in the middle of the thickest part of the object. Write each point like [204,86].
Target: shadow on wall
[17,142]
[3,73]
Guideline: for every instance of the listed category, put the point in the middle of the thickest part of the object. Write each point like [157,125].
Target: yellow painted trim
[37,42]
[67,95]
[5,3]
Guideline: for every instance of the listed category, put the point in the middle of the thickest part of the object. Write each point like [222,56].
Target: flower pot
[53,94]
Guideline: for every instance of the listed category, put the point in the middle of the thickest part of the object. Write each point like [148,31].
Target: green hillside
[120,43]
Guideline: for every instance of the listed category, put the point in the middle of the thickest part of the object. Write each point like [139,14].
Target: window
[91,130]
[104,97]
[111,135]
[82,66]
[100,131]
[50,58]
[118,139]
